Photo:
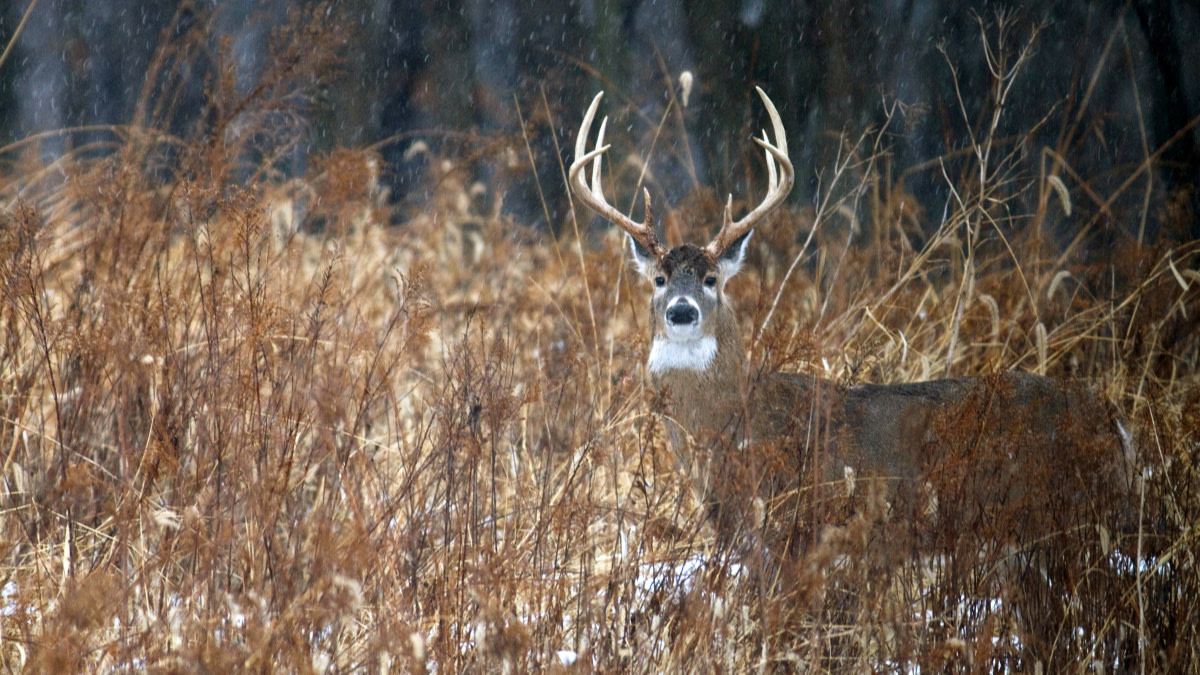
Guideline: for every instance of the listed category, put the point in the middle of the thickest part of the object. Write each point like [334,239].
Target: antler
[593,195]
[779,184]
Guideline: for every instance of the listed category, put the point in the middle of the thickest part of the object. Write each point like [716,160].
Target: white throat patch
[695,354]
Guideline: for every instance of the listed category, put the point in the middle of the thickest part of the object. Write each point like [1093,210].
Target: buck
[1036,446]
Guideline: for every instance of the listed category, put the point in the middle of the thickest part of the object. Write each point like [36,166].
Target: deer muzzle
[682,313]
[682,319]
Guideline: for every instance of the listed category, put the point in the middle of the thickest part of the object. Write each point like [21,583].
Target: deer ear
[646,263]
[730,262]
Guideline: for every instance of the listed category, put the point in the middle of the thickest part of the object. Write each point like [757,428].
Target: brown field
[254,422]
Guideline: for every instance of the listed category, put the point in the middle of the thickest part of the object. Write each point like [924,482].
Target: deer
[1029,447]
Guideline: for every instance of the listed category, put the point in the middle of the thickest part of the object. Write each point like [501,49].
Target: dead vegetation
[250,425]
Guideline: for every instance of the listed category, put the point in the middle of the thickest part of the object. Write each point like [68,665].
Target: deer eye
[710,281]
[660,281]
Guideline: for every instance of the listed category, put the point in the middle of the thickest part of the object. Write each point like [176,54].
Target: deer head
[694,327]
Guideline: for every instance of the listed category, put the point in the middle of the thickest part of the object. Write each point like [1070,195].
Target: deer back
[1015,450]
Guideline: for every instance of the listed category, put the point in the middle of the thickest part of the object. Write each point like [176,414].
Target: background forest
[308,363]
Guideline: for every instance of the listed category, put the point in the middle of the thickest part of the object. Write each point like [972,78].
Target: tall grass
[250,425]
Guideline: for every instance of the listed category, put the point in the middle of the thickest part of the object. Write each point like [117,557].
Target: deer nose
[682,313]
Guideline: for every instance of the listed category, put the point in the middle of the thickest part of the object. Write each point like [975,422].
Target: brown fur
[1013,455]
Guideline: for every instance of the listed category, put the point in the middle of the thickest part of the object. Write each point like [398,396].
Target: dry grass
[247,425]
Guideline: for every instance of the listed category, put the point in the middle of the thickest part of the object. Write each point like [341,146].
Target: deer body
[1012,440]
[1016,439]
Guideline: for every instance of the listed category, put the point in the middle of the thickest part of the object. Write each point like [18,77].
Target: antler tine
[779,183]
[593,195]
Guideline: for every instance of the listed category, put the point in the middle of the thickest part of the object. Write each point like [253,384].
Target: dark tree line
[418,69]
